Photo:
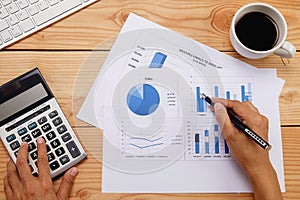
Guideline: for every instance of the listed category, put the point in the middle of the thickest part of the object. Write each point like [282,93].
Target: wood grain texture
[65,49]
[205,21]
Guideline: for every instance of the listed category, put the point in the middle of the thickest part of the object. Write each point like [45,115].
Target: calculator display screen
[22,101]
[22,95]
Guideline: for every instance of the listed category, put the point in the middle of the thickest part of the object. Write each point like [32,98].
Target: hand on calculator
[19,183]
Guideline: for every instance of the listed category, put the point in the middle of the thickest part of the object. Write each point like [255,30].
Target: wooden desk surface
[60,50]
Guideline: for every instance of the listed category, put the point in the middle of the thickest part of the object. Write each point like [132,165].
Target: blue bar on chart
[158,60]
[227,95]
[243,94]
[201,103]
[206,135]
[226,147]
[249,92]
[234,97]
[197,144]
[216,88]
[216,132]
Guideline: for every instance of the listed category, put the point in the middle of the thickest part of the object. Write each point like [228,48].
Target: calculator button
[22,131]
[50,157]
[54,165]
[42,120]
[10,138]
[46,127]
[32,126]
[60,151]
[55,143]
[48,148]
[66,137]
[31,147]
[36,133]
[34,155]
[57,121]
[51,135]
[61,129]
[35,174]
[64,159]
[26,138]
[14,145]
[73,149]
[53,114]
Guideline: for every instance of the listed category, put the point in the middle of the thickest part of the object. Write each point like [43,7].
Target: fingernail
[73,171]
[40,140]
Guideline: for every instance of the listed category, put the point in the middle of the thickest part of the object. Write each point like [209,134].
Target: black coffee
[257,31]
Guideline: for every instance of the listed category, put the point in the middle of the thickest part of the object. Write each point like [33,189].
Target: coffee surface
[257,31]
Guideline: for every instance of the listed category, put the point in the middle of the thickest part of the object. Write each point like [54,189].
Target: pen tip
[203,96]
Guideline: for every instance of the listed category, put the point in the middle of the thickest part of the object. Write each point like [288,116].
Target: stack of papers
[159,134]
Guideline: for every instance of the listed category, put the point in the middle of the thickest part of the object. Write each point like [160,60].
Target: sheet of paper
[159,135]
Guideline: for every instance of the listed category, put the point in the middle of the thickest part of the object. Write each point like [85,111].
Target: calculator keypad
[60,144]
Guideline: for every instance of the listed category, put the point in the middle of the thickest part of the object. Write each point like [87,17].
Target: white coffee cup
[281,47]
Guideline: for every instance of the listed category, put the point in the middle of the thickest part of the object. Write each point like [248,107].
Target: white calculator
[29,110]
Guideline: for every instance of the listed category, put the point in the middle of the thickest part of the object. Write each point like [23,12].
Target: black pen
[241,126]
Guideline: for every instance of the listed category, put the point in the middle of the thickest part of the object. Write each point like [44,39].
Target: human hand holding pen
[252,158]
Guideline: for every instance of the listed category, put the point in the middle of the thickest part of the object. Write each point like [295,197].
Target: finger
[43,164]
[242,110]
[7,188]
[13,185]
[66,184]
[224,121]
[22,163]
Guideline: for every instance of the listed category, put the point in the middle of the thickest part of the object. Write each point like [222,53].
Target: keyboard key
[61,129]
[50,157]
[36,133]
[23,4]
[42,4]
[55,143]
[48,148]
[66,137]
[16,31]
[27,25]
[42,120]
[55,165]
[6,36]
[64,159]
[3,13]
[31,146]
[33,10]
[13,8]
[34,155]
[26,138]
[60,151]
[13,20]
[51,135]
[33,125]
[6,2]
[53,114]
[53,12]
[52,2]
[57,121]
[73,149]
[46,127]
[22,131]
[10,138]
[15,145]
[3,25]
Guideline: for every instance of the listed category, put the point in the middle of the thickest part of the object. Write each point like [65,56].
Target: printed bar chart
[197,144]
[158,60]
[217,143]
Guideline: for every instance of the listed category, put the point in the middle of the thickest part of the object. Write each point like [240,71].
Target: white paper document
[159,134]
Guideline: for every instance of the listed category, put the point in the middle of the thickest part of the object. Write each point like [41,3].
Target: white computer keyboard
[20,18]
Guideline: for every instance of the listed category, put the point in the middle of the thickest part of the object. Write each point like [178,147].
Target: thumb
[223,120]
[66,184]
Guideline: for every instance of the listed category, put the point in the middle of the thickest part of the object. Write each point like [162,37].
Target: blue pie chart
[143,99]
